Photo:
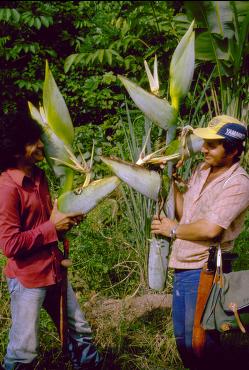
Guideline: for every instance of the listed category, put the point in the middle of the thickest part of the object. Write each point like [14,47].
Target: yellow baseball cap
[223,127]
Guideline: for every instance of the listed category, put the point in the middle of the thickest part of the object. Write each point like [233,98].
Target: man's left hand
[162,226]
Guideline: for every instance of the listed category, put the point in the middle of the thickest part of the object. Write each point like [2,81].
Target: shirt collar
[227,173]
[204,172]
[18,176]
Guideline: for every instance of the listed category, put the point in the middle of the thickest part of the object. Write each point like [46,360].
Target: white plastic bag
[158,263]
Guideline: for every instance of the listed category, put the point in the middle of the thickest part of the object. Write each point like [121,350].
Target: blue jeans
[26,304]
[185,289]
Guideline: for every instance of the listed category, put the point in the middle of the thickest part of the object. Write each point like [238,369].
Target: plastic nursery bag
[158,263]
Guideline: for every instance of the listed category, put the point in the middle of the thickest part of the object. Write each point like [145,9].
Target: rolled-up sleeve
[13,240]
[231,202]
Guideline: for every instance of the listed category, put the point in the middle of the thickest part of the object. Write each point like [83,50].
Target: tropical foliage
[107,38]
[222,44]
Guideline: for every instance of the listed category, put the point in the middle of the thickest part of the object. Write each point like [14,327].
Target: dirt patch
[131,308]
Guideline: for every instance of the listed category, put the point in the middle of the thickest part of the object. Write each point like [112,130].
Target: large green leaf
[239,49]
[242,9]
[87,198]
[156,109]
[217,16]
[208,47]
[223,33]
[224,29]
[56,111]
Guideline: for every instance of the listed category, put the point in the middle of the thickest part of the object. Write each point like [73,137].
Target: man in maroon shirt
[29,232]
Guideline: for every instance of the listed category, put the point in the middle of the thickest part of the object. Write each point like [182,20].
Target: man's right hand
[63,221]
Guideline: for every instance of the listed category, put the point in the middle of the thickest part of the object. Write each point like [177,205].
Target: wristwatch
[173,232]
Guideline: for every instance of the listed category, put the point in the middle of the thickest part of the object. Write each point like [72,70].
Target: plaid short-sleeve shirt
[223,202]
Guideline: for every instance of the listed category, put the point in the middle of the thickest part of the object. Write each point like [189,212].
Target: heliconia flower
[55,109]
[144,181]
[156,109]
[182,67]
[153,80]
[87,198]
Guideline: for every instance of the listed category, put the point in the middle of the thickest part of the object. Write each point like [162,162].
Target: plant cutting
[57,136]
[165,114]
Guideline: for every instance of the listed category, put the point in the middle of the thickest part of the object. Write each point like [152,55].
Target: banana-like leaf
[56,112]
[54,148]
[144,181]
[217,16]
[88,197]
[156,109]
[224,29]
[182,67]
[208,48]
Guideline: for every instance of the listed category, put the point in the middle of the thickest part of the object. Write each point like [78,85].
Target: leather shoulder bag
[227,307]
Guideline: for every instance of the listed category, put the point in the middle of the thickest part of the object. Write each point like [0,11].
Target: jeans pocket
[13,285]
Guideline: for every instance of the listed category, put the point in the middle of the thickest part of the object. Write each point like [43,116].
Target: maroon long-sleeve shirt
[27,237]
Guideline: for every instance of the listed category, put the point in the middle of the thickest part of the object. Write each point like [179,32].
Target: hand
[179,164]
[162,226]
[162,163]
[63,221]
[78,219]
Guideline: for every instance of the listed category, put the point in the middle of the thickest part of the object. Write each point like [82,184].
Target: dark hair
[232,146]
[17,129]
